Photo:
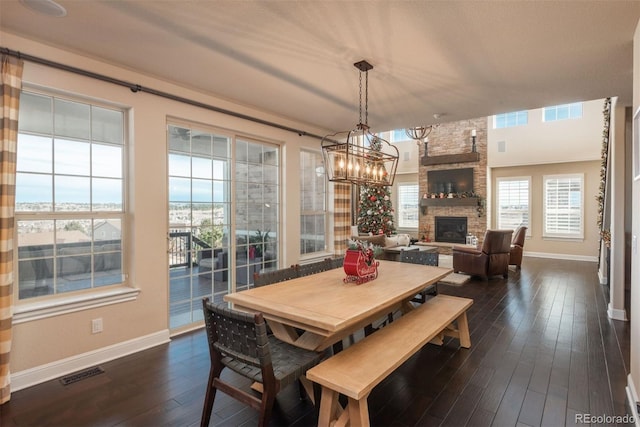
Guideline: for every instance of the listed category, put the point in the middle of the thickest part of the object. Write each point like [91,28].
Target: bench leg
[358,412]
[329,407]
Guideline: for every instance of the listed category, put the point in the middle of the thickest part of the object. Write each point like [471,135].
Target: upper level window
[514,203]
[563,112]
[69,195]
[408,206]
[506,120]
[564,206]
[313,203]
[398,135]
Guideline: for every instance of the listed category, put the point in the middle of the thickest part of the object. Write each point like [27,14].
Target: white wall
[53,345]
[539,148]
[541,142]
[633,386]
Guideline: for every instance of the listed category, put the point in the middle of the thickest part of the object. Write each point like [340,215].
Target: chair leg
[268,399]
[210,397]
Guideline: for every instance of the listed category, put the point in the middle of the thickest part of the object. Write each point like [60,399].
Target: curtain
[11,72]
[341,217]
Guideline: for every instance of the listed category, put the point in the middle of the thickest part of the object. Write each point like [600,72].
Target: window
[313,203]
[69,195]
[563,112]
[257,208]
[563,206]
[398,135]
[199,220]
[507,120]
[408,206]
[513,196]
[224,204]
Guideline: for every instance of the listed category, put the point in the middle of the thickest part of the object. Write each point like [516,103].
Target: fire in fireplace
[451,229]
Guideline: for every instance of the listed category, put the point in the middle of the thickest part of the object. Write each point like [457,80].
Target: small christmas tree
[375,214]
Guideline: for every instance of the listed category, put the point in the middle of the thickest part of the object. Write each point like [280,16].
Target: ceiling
[458,59]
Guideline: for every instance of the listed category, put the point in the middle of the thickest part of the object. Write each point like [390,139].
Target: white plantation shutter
[408,206]
[514,196]
[563,206]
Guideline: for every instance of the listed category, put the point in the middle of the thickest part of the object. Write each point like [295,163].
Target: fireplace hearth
[451,229]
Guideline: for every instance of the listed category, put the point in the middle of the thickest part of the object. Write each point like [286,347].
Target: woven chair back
[270,277]
[336,262]
[313,268]
[237,335]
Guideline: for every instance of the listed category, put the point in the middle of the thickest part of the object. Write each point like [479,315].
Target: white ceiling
[460,59]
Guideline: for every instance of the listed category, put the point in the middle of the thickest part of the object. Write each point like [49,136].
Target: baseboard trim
[616,313]
[632,397]
[30,377]
[568,257]
[602,278]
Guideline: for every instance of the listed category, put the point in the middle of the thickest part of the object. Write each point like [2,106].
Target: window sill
[579,239]
[315,257]
[29,311]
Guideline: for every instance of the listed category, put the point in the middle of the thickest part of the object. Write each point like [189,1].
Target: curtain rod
[138,88]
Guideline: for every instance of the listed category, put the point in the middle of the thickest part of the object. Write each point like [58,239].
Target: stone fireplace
[451,229]
[453,182]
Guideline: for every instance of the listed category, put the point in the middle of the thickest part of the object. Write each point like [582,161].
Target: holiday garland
[605,234]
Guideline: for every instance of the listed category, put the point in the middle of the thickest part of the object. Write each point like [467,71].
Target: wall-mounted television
[457,181]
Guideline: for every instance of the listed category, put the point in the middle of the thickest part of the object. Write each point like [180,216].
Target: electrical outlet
[96,325]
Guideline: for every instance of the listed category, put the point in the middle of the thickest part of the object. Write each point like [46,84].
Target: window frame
[395,132]
[499,223]
[400,209]
[313,212]
[570,107]
[49,305]
[517,118]
[578,235]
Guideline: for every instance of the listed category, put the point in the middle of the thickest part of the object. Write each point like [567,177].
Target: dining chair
[239,341]
[337,262]
[424,258]
[313,268]
[263,278]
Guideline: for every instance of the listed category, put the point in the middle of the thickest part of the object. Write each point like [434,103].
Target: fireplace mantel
[454,201]
[450,158]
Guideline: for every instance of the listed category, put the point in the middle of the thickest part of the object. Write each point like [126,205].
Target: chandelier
[419,134]
[363,158]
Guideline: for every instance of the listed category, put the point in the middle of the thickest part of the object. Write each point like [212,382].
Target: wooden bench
[355,371]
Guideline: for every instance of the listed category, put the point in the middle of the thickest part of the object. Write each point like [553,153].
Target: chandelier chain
[366,98]
[360,97]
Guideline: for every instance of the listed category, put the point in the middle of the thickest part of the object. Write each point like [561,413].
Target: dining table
[316,311]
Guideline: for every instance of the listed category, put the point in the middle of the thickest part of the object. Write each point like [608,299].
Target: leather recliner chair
[517,246]
[491,259]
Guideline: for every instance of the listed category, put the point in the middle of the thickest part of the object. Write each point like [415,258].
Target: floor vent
[81,375]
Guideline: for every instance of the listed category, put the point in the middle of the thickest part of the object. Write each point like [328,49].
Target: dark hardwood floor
[543,351]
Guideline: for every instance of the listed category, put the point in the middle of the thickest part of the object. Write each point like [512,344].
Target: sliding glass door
[216,241]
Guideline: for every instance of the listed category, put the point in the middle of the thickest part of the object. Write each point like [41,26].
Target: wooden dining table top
[327,308]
